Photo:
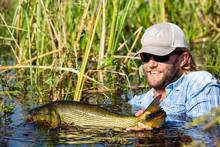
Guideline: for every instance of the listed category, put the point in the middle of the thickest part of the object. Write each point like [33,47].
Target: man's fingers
[140,127]
[134,129]
[144,127]
[139,112]
[129,129]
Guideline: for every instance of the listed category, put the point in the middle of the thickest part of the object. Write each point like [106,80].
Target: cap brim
[158,51]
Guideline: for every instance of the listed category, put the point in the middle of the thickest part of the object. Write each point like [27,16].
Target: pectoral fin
[54,118]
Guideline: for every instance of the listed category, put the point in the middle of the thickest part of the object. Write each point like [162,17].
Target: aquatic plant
[6,110]
[63,49]
[208,121]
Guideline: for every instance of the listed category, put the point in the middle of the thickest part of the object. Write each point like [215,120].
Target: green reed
[66,48]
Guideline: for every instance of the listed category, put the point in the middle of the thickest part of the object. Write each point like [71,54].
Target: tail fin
[152,108]
[155,120]
[154,115]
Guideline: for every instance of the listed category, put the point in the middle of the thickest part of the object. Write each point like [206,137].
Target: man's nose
[152,62]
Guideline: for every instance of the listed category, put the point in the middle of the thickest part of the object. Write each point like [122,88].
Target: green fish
[56,113]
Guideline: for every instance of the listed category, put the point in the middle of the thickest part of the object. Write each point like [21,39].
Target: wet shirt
[192,95]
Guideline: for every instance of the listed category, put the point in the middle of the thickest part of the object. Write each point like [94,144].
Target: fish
[56,113]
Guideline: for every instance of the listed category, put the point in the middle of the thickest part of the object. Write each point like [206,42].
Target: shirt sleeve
[141,101]
[203,95]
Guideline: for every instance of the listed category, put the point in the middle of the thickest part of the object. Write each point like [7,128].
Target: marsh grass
[65,48]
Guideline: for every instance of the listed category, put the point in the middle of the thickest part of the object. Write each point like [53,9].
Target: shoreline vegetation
[63,49]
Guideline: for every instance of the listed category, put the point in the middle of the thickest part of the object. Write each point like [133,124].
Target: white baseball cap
[161,39]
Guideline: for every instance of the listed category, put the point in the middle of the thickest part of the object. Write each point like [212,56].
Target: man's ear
[184,58]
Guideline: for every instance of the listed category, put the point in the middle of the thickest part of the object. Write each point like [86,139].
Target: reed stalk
[102,43]
[92,28]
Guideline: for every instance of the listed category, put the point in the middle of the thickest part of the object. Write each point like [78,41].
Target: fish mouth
[30,119]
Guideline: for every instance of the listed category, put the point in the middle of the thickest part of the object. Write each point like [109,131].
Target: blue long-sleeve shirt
[192,95]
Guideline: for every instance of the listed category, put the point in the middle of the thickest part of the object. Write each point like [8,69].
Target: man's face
[161,72]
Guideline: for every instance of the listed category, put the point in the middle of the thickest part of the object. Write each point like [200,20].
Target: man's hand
[140,126]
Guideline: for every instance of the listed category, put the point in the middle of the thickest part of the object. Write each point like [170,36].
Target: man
[170,71]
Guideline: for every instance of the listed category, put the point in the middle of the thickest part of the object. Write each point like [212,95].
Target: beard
[163,78]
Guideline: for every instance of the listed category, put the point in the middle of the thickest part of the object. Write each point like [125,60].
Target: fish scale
[95,119]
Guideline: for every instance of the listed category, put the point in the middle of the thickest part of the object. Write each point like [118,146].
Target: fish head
[44,116]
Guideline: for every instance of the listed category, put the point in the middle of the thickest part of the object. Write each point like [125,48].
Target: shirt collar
[177,84]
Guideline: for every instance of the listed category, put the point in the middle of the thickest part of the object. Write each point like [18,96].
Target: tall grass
[66,48]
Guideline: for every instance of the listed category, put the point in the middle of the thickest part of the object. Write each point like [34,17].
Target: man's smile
[153,73]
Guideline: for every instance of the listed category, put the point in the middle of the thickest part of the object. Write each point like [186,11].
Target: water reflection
[26,135]
[29,134]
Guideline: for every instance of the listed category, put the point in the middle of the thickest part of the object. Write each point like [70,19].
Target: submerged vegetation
[208,121]
[62,49]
